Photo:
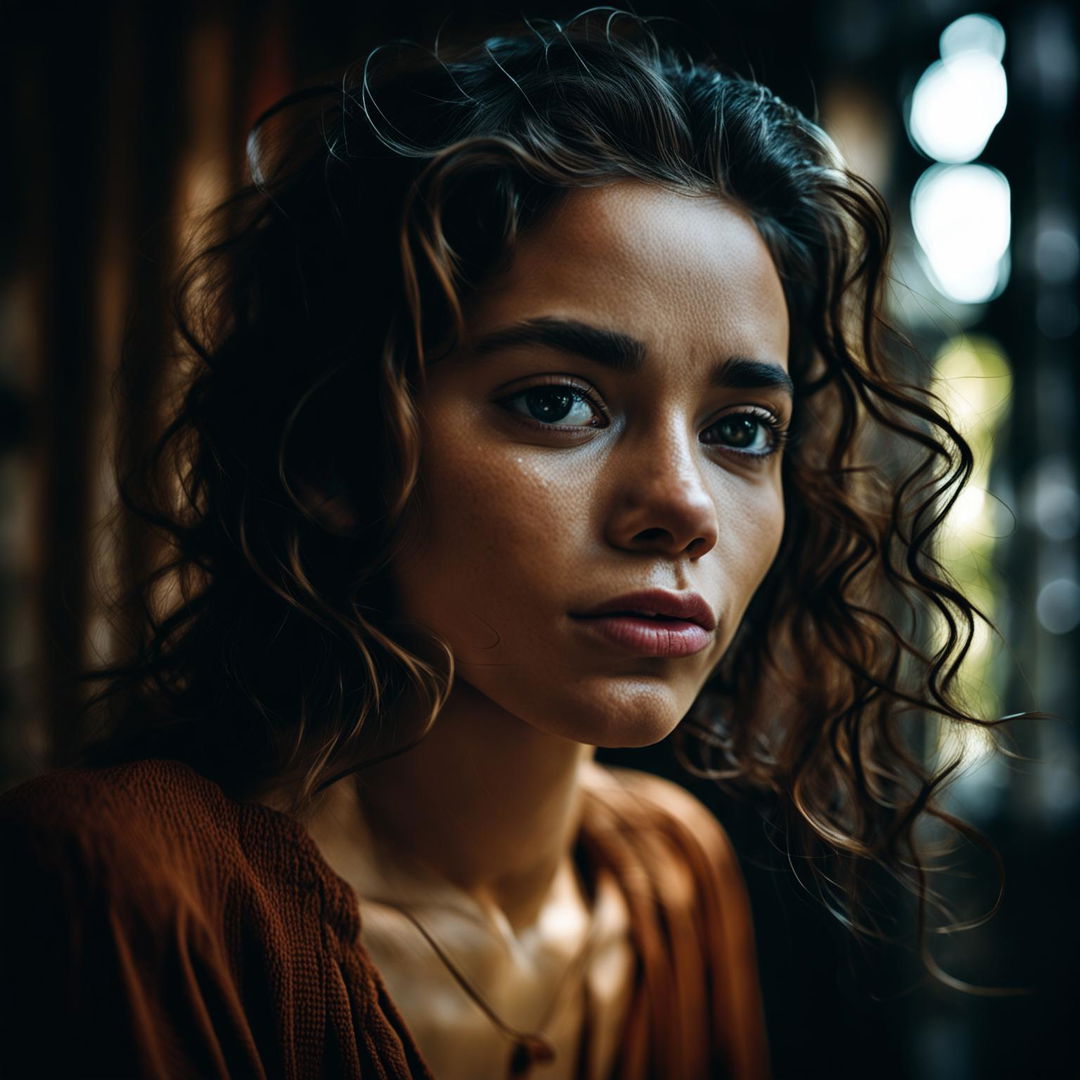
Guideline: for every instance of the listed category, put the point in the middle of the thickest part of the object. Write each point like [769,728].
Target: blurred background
[125,119]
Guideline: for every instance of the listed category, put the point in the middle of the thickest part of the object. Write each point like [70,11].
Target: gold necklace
[530,1047]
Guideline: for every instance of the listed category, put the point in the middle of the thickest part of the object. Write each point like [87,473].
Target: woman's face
[610,427]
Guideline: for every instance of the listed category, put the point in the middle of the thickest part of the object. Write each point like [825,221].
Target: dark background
[122,118]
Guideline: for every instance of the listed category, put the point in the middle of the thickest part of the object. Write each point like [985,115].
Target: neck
[485,802]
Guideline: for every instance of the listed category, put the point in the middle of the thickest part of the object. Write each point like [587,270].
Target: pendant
[529,1050]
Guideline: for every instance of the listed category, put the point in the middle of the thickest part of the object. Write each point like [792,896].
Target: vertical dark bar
[158,126]
[22,210]
[264,45]
[72,77]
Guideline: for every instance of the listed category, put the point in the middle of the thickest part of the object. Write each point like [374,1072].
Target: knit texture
[151,926]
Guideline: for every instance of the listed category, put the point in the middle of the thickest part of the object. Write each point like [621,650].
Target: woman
[537,405]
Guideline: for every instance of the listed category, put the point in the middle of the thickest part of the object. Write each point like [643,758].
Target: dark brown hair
[375,206]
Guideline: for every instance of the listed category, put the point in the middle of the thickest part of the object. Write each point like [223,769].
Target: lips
[654,623]
[658,604]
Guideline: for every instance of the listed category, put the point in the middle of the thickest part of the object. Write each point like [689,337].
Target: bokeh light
[1058,605]
[956,105]
[1055,500]
[1057,254]
[962,219]
[973,33]
[973,380]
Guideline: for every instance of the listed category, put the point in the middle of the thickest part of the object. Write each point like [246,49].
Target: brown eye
[746,432]
[558,405]
[549,404]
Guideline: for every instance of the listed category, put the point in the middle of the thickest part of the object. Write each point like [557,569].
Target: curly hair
[272,653]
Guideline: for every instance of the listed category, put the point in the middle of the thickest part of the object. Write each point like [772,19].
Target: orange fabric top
[152,926]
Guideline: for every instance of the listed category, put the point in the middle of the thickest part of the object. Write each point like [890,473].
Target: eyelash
[777,430]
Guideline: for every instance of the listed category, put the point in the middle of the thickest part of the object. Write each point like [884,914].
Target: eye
[556,405]
[752,433]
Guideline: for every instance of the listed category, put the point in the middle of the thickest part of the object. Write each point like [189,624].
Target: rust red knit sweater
[151,926]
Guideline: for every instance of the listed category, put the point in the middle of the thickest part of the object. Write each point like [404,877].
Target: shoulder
[123,829]
[155,794]
[690,917]
[656,828]
[156,916]
[129,785]
[644,800]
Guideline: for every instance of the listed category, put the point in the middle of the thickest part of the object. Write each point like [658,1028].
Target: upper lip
[688,606]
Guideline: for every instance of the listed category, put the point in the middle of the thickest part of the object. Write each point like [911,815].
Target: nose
[662,503]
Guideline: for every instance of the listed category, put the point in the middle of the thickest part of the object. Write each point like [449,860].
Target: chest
[464,990]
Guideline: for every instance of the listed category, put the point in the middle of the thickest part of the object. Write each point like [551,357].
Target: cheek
[494,530]
[751,531]
[768,530]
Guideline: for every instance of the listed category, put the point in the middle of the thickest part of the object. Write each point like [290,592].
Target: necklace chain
[530,1047]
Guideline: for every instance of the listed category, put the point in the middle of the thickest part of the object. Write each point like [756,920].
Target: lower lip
[648,637]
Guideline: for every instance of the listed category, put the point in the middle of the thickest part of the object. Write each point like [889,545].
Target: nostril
[653,534]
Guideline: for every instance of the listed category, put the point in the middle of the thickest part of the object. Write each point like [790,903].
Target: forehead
[678,271]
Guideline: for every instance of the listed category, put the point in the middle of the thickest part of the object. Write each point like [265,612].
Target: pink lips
[653,623]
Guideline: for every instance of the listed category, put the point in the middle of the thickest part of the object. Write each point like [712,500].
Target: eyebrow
[623,353]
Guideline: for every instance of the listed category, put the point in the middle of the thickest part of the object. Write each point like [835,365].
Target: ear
[332,510]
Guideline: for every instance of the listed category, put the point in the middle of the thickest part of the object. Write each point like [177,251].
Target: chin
[628,714]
